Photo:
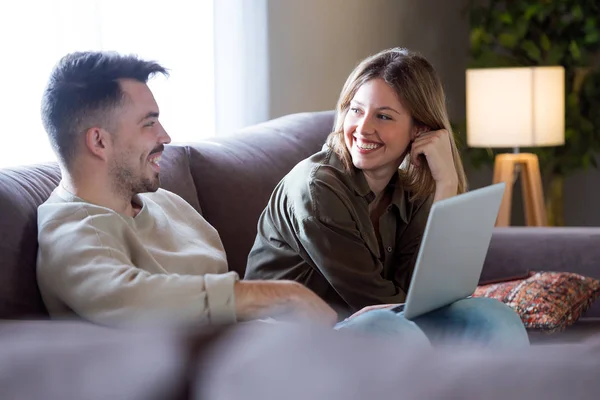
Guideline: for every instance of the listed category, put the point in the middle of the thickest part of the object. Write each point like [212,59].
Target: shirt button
[389,249]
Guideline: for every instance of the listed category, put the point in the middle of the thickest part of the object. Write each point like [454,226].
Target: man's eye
[151,123]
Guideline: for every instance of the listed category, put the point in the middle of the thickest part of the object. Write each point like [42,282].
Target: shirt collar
[67,196]
[399,195]
[361,187]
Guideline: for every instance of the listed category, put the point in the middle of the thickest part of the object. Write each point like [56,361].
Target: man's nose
[164,137]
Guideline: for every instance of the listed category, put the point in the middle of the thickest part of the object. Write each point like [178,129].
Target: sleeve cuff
[220,297]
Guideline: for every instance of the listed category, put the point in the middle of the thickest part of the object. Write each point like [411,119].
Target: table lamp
[512,108]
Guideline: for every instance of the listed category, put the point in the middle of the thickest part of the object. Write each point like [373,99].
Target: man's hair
[83,92]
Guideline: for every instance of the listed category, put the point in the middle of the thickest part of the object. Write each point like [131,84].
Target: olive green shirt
[317,230]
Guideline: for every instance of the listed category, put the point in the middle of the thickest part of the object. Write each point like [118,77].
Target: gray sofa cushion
[66,360]
[297,364]
[175,175]
[22,190]
[71,360]
[235,174]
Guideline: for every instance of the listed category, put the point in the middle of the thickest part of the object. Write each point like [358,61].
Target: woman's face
[377,129]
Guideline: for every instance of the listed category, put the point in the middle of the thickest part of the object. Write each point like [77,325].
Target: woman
[348,221]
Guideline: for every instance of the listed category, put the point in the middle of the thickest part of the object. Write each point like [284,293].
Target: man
[116,249]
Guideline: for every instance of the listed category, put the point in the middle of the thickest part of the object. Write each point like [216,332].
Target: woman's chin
[365,165]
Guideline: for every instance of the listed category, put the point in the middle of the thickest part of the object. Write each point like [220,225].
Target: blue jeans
[471,321]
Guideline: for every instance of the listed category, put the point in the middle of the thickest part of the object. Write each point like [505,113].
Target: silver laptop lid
[453,249]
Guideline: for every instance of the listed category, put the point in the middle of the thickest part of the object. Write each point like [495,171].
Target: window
[34,35]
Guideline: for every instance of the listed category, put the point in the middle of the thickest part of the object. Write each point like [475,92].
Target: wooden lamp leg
[531,181]
[533,195]
[504,167]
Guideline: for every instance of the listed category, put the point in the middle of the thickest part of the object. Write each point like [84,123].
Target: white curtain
[34,35]
[241,63]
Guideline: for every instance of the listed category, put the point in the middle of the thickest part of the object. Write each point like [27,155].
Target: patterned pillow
[548,301]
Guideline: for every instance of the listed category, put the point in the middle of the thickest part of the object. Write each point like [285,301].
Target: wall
[314,45]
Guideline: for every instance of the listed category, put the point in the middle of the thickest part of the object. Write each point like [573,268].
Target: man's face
[138,141]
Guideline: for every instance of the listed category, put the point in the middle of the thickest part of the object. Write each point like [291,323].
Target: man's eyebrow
[384,108]
[151,114]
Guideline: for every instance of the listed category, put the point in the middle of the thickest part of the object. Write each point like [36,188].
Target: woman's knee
[492,318]
[487,309]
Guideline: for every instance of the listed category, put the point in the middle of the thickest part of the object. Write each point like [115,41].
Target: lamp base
[531,182]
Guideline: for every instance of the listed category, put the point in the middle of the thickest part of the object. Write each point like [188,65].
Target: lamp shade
[516,107]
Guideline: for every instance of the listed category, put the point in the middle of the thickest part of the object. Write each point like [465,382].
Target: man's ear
[98,142]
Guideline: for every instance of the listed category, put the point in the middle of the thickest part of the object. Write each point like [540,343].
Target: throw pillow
[547,301]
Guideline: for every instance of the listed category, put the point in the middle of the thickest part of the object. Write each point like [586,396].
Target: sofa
[229,180]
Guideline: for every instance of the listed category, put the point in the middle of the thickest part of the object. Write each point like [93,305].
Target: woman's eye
[385,117]
[354,110]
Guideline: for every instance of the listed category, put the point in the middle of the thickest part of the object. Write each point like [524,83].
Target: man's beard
[127,183]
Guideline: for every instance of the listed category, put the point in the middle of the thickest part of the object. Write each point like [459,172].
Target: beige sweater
[167,265]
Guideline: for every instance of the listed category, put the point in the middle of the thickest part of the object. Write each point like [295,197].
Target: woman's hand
[371,308]
[436,149]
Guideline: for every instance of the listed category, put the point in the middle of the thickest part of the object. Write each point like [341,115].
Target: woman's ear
[417,130]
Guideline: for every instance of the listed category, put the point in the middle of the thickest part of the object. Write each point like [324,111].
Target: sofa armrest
[514,251]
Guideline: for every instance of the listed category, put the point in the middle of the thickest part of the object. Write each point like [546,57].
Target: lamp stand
[506,168]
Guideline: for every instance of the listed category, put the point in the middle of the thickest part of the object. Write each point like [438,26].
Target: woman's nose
[364,126]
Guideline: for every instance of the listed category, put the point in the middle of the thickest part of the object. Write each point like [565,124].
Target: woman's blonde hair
[420,91]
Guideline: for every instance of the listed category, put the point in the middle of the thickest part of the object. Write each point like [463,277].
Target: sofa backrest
[229,179]
[236,174]
[22,190]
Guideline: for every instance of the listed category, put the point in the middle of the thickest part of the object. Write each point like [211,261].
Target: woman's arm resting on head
[436,148]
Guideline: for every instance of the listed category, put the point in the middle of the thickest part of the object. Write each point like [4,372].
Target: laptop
[453,249]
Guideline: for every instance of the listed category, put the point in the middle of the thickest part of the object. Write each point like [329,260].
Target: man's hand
[262,299]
